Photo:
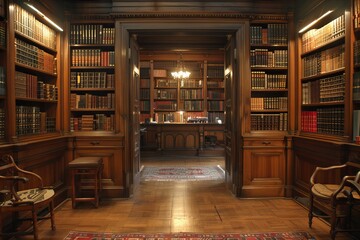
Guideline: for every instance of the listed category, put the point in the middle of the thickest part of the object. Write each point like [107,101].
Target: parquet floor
[201,206]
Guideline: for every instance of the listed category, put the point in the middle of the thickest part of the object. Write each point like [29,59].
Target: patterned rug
[189,236]
[182,173]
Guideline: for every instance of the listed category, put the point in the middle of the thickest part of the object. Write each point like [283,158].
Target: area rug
[150,173]
[73,235]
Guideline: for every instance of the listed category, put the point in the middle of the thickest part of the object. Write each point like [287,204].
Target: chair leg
[311,203]
[51,206]
[34,218]
[333,223]
[73,183]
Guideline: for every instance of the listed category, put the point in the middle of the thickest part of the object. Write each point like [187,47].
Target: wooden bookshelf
[269,76]
[92,77]
[3,64]
[164,98]
[32,98]
[356,71]
[215,92]
[324,78]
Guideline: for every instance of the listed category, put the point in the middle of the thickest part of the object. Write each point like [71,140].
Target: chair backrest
[11,175]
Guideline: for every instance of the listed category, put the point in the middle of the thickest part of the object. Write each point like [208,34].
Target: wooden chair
[339,197]
[30,200]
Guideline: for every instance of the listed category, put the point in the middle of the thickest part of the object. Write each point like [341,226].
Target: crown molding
[177,15]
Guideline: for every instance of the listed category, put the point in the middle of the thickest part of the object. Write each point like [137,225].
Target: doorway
[152,35]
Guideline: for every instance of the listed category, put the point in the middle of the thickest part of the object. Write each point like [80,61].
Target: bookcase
[215,92]
[92,78]
[356,74]
[32,104]
[269,76]
[266,125]
[324,80]
[145,101]
[164,98]
[3,48]
[165,91]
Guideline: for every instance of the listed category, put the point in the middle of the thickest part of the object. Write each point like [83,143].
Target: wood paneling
[179,138]
[264,168]
[111,149]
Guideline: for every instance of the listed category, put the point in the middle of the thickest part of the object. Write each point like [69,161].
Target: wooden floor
[200,206]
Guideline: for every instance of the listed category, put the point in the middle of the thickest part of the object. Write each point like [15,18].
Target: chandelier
[181,72]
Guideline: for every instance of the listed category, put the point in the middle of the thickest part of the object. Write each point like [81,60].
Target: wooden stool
[82,166]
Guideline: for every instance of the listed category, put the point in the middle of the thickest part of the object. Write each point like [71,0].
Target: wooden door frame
[123,31]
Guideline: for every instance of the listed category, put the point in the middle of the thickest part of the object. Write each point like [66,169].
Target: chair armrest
[343,184]
[15,178]
[318,169]
[354,185]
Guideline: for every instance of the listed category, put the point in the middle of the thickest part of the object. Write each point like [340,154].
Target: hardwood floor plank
[198,206]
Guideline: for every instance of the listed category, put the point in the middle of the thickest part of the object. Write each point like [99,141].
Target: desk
[182,138]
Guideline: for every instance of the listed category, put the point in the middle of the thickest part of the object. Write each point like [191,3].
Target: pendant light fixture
[180,72]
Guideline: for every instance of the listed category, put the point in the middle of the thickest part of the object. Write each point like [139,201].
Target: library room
[173,119]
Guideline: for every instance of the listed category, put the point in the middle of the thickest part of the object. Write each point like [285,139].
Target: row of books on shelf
[165,93]
[268,58]
[144,70]
[144,93]
[356,13]
[357,52]
[356,124]
[356,86]
[269,122]
[90,101]
[165,105]
[2,34]
[34,57]
[30,120]
[323,120]
[144,82]
[91,34]
[267,103]
[215,95]
[2,123]
[215,84]
[263,80]
[92,58]
[161,66]
[213,117]
[92,80]
[27,24]
[215,72]
[191,93]
[191,83]
[28,86]
[215,105]
[193,105]
[318,37]
[145,106]
[96,122]
[173,83]
[330,89]
[325,61]
[2,80]
[272,33]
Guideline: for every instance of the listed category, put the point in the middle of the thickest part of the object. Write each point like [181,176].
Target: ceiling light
[45,17]
[315,21]
[181,72]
